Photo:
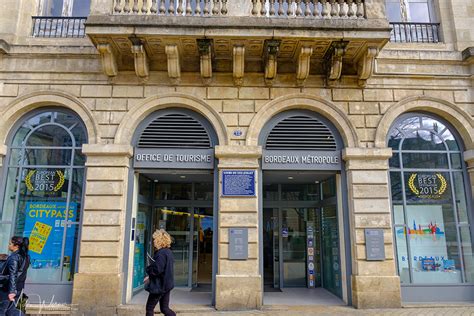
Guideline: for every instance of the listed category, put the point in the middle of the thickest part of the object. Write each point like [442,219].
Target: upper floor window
[420,11]
[57,8]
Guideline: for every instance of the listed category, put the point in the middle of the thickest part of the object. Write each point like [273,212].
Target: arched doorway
[42,198]
[174,188]
[432,210]
[302,209]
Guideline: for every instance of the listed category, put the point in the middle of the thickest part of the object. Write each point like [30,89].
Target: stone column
[238,282]
[375,284]
[99,7]
[99,283]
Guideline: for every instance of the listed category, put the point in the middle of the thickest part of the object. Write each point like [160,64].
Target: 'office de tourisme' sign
[173,158]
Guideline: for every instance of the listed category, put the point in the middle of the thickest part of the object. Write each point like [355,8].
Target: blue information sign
[238,183]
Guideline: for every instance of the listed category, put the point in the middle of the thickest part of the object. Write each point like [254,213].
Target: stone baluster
[324,11]
[215,8]
[333,8]
[118,6]
[280,8]
[180,9]
[315,8]
[126,8]
[288,10]
[206,7]
[342,9]
[360,9]
[272,7]
[189,10]
[350,9]
[263,9]
[254,7]
[307,10]
[197,11]
[171,8]
[299,11]
[224,7]
[162,7]
[145,7]
[135,6]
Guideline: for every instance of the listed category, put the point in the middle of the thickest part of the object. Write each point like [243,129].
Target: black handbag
[155,283]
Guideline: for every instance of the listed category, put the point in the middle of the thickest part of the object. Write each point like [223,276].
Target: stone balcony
[328,38]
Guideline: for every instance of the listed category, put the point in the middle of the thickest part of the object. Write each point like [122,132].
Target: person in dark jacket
[160,279]
[15,268]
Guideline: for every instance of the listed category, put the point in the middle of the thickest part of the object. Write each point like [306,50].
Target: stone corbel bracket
[174,67]
[205,53]
[4,47]
[109,59]
[239,64]
[302,69]
[272,47]
[334,61]
[366,64]
[140,58]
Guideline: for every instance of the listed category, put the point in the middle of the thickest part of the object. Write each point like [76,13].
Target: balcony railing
[324,9]
[58,27]
[407,32]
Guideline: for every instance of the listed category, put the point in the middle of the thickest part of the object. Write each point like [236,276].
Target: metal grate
[407,32]
[45,26]
[174,131]
[301,133]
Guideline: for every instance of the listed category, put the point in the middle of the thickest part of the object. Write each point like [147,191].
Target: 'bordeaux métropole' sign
[301,160]
[174,158]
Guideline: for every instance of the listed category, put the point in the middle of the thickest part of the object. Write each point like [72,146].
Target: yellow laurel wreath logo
[28,183]
[444,184]
[60,182]
[411,184]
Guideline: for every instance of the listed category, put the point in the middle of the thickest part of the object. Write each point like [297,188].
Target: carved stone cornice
[205,53]
[108,58]
[141,60]
[302,68]
[239,64]
[271,49]
[174,67]
[366,64]
[334,61]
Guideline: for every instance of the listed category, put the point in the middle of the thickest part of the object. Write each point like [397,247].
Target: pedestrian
[13,273]
[160,275]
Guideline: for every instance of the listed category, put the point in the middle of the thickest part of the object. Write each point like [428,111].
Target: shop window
[42,193]
[431,213]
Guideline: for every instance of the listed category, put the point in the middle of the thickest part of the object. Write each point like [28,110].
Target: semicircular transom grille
[174,131]
[301,132]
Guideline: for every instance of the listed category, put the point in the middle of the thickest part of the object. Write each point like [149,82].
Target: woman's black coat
[16,271]
[162,271]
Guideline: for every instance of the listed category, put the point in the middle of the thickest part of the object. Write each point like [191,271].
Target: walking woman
[14,275]
[160,279]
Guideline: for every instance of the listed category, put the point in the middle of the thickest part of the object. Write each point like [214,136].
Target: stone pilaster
[375,284]
[98,285]
[3,153]
[238,282]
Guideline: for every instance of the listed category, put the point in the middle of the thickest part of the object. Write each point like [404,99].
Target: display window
[42,196]
[431,217]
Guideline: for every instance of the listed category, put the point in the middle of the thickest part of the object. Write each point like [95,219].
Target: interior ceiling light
[182,177]
[290,178]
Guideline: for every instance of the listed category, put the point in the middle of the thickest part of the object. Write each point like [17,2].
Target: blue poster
[238,183]
[44,225]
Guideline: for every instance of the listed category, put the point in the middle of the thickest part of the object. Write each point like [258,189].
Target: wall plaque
[238,183]
[374,244]
[238,243]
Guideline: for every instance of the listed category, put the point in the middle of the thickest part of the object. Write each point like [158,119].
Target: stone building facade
[234,68]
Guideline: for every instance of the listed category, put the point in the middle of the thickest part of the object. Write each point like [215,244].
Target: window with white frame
[57,8]
[420,11]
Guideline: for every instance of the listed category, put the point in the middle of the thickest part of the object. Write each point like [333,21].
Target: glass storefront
[300,236]
[185,211]
[430,210]
[42,200]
